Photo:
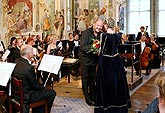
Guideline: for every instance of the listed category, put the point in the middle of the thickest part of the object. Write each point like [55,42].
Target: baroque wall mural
[18,16]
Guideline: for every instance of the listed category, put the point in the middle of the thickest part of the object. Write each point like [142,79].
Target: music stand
[132,47]
[51,64]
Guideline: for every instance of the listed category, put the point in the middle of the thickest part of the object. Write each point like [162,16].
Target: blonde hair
[160,81]
[52,38]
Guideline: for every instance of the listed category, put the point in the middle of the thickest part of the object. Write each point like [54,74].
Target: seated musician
[16,52]
[62,44]
[11,48]
[2,47]
[31,42]
[38,43]
[70,44]
[52,48]
[76,47]
[144,45]
[124,38]
[33,90]
[155,55]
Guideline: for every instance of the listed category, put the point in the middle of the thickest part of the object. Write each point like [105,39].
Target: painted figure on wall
[19,17]
[121,17]
[46,22]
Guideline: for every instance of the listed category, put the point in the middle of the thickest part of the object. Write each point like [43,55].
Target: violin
[154,46]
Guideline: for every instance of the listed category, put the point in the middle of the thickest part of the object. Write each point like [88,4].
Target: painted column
[34,14]
[65,19]
[1,16]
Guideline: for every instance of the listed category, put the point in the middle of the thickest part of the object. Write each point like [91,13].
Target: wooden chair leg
[46,107]
[3,109]
[10,106]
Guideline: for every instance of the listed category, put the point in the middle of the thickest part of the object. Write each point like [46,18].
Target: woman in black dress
[112,94]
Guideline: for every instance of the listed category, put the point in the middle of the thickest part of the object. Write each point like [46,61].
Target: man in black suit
[142,31]
[33,90]
[16,52]
[88,61]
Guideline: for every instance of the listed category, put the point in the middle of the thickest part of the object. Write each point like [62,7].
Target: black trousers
[88,74]
[35,96]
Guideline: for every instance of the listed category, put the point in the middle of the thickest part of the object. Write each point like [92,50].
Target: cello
[145,56]
[144,59]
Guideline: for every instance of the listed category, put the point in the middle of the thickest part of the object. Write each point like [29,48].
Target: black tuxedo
[15,54]
[33,90]
[140,34]
[88,62]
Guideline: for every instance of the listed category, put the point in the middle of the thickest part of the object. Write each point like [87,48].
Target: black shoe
[89,102]
[147,74]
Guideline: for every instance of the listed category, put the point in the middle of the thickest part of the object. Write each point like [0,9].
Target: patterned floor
[70,105]
[77,105]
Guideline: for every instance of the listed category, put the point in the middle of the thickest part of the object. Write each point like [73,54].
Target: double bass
[145,55]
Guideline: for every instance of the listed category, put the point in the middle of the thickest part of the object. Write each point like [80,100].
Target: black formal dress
[111,92]
[33,90]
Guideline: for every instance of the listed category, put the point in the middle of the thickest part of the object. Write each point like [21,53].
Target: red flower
[95,47]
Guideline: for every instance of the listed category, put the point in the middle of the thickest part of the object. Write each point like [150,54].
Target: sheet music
[5,55]
[51,63]
[6,70]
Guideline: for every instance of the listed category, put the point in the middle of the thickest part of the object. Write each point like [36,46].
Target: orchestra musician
[142,31]
[70,44]
[124,38]
[16,52]
[143,56]
[76,47]
[155,56]
[52,49]
[2,47]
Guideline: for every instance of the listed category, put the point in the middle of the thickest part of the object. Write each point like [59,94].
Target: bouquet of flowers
[95,47]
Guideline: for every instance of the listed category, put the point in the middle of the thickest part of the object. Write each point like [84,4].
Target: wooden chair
[3,109]
[2,93]
[18,90]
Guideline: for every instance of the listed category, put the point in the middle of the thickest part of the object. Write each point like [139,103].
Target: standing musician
[155,56]
[144,56]
[142,31]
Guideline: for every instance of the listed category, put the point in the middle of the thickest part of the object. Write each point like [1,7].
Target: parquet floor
[144,95]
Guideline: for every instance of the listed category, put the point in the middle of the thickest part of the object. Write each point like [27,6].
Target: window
[138,15]
[161,10]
